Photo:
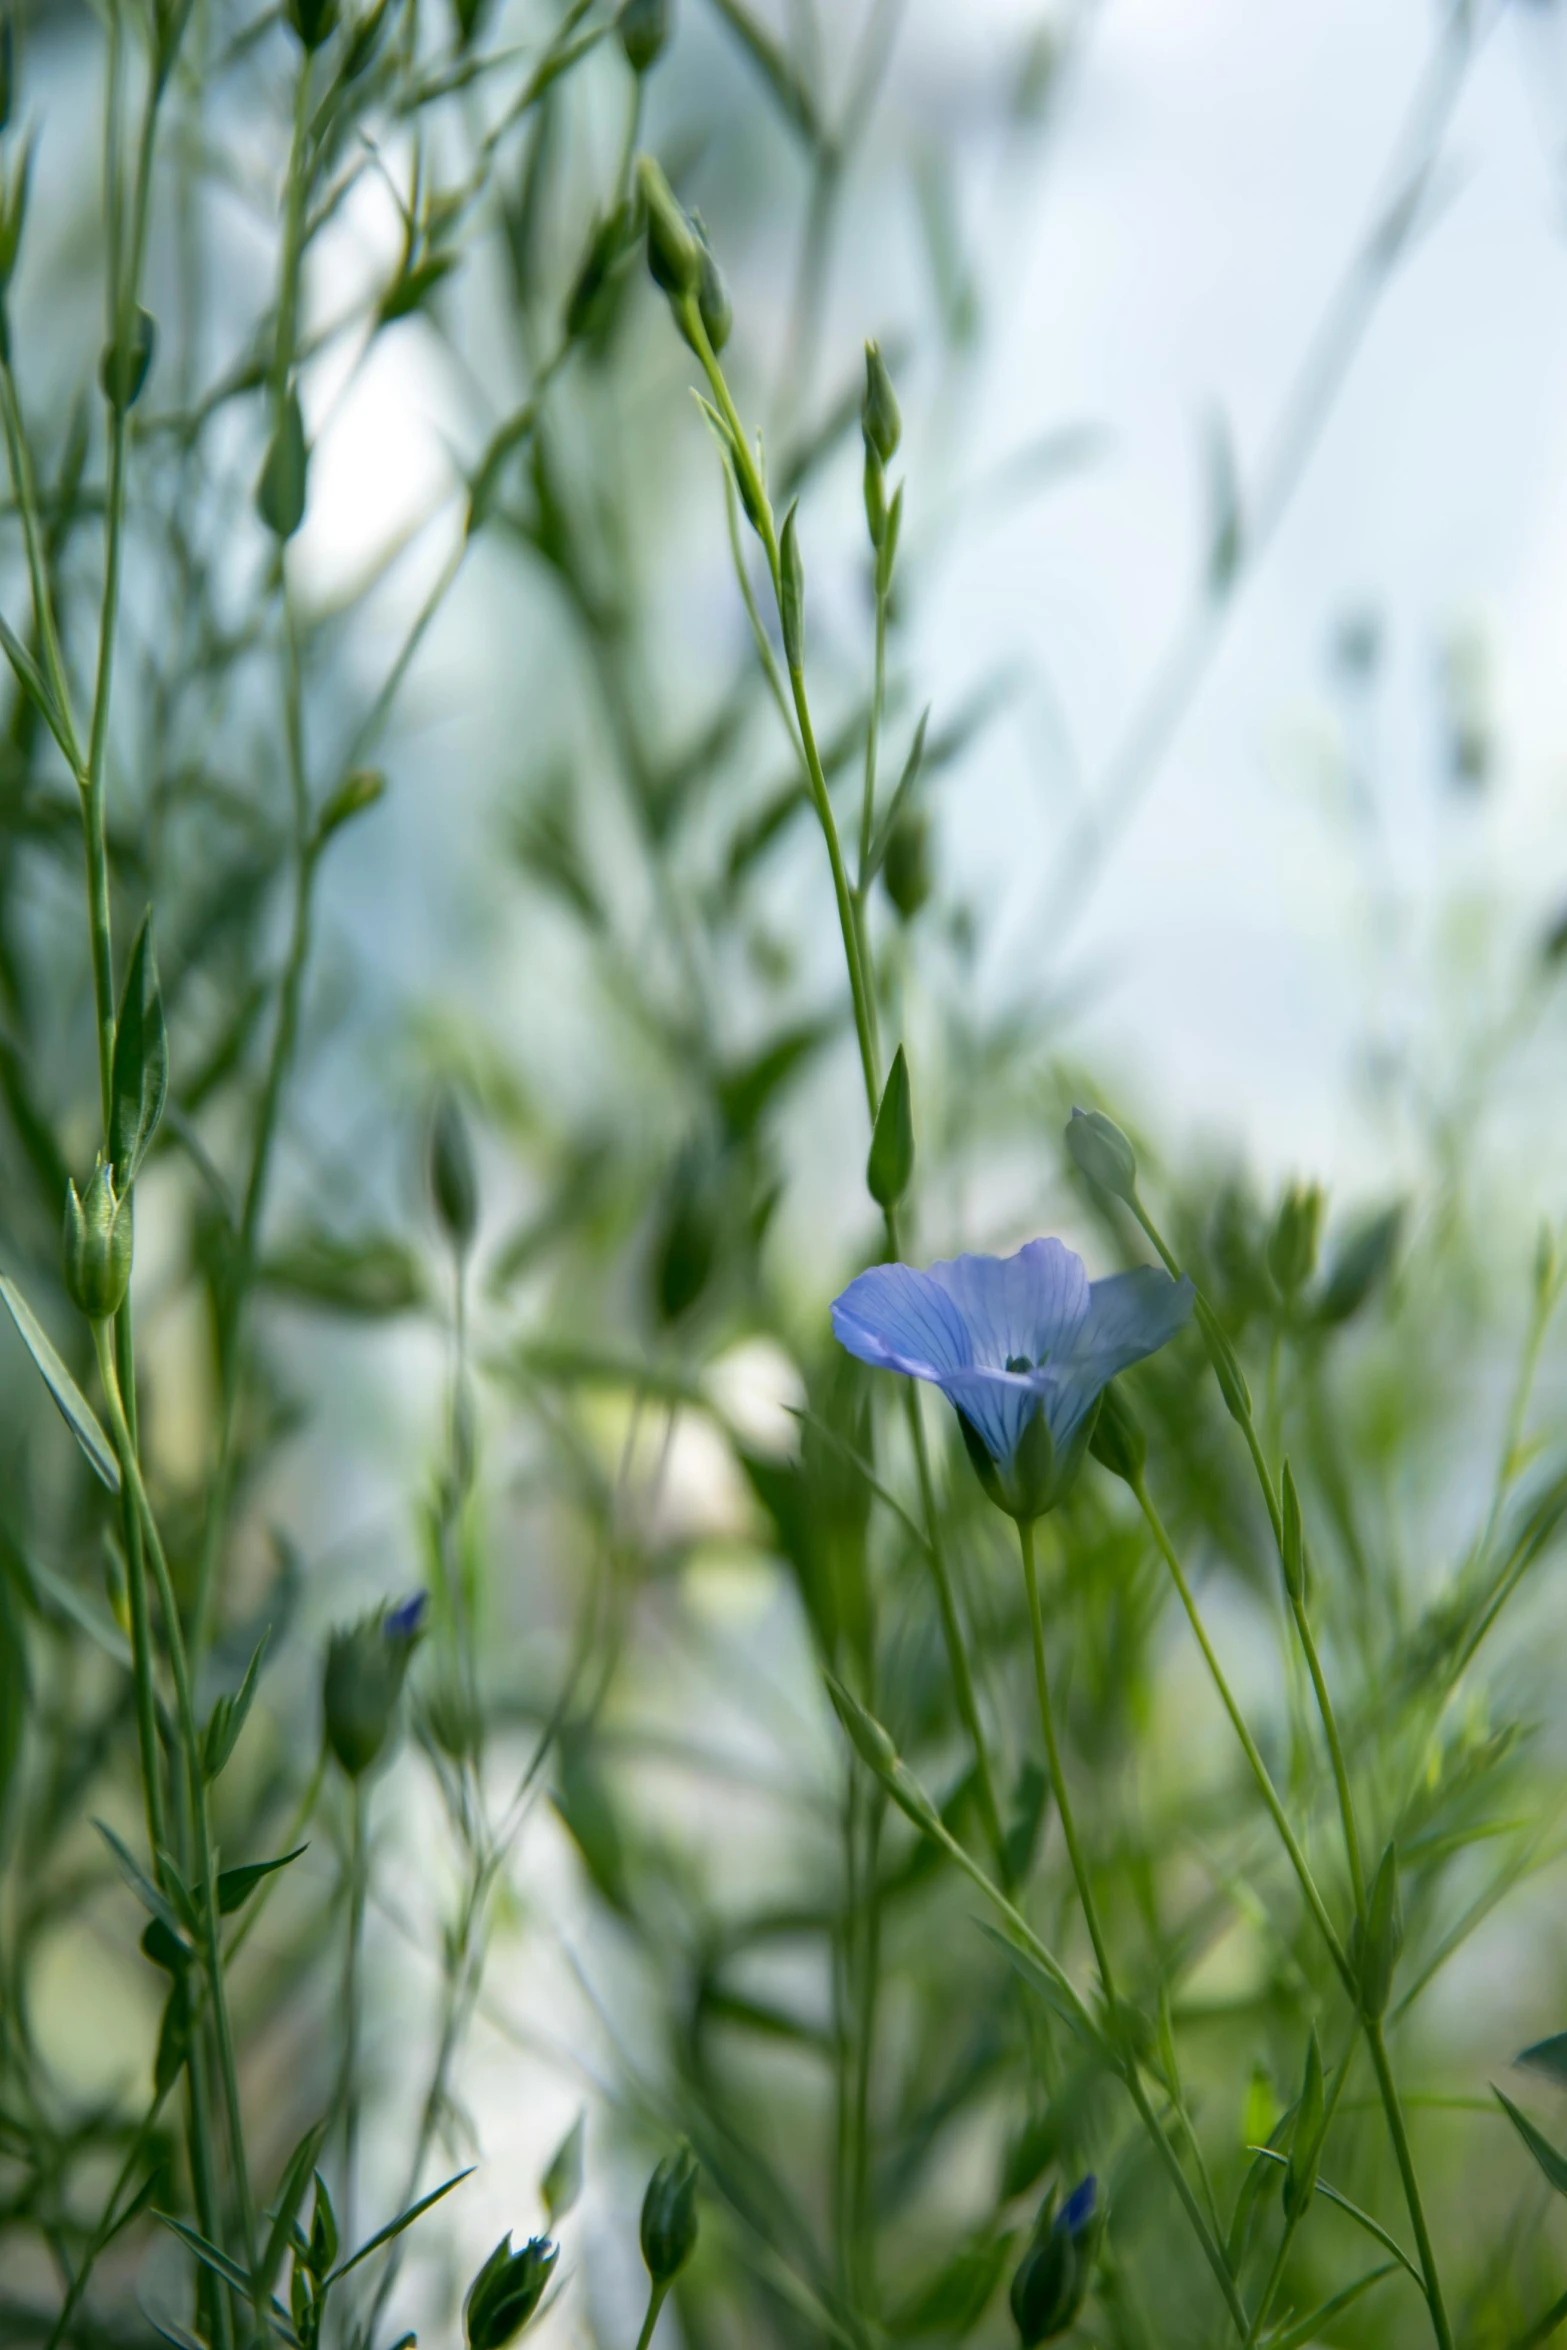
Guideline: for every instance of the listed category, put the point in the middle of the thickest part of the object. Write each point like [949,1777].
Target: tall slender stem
[1406,2168]
[358,1888]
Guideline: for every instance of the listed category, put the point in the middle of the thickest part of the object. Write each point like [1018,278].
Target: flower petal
[1030,1305]
[1000,1405]
[901,1320]
[1129,1316]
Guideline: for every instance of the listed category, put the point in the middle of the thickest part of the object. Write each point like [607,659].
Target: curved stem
[1259,1768]
[655,2302]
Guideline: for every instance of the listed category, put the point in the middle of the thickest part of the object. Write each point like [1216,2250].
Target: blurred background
[1234,560]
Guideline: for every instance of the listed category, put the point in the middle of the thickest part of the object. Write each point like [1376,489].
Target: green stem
[201,1838]
[1047,1723]
[358,1888]
[655,2302]
[1259,1768]
[1293,2218]
[1406,2166]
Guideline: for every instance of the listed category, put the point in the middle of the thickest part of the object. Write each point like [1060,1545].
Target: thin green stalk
[1259,1768]
[1047,1723]
[1293,2218]
[358,1888]
[1406,2166]
[655,2302]
[190,1740]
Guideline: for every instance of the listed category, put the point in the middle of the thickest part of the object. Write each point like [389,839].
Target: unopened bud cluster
[97,1246]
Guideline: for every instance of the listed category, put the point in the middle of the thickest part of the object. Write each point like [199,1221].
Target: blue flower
[406,1620]
[1022,1347]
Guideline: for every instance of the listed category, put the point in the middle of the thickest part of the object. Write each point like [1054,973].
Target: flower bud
[880,421]
[507,2291]
[1053,2275]
[312,20]
[791,591]
[866,1735]
[123,370]
[905,871]
[891,1163]
[674,251]
[669,2222]
[97,1247]
[1102,1153]
[1379,1940]
[644,28]
[1292,1244]
[280,493]
[366,1665]
[454,1183]
[712,297]
[1118,1443]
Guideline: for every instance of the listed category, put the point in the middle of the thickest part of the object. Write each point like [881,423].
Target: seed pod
[1118,1443]
[507,2291]
[890,1166]
[97,1247]
[1102,1153]
[669,2220]
[880,421]
[366,1665]
[454,1181]
[1381,1939]
[643,27]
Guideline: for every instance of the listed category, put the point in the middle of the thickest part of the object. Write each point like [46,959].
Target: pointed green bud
[1300,2180]
[643,27]
[1118,1443]
[1292,1541]
[791,591]
[669,2218]
[880,421]
[313,21]
[506,2292]
[123,369]
[865,1734]
[321,2256]
[1101,1152]
[454,1181]
[1379,1942]
[1292,1244]
[890,1167]
[366,1665]
[280,493]
[674,251]
[97,1247]
[611,241]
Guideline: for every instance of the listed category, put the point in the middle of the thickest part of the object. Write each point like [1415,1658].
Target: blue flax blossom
[1022,1347]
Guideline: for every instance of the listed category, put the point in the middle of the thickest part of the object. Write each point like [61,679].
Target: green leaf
[404,2219]
[140,1079]
[562,2181]
[1373,2228]
[208,2254]
[146,1892]
[794,99]
[173,2037]
[1548,2057]
[281,491]
[952,2302]
[228,1716]
[1309,2329]
[77,1412]
[882,839]
[1545,2154]
[890,1166]
[235,1886]
[1038,1977]
[13,1690]
[290,2195]
[31,680]
[88,1614]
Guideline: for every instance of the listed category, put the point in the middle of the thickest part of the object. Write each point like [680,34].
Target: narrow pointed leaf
[146,1892]
[1553,2163]
[1548,2057]
[228,1715]
[291,2194]
[76,1411]
[1373,2228]
[140,1080]
[395,2227]
[1309,2329]
[235,1886]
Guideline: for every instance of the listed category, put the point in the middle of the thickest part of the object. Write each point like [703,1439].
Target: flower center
[1019,1363]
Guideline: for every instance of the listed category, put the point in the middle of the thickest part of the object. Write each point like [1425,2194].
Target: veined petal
[902,1320]
[1000,1404]
[1029,1306]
